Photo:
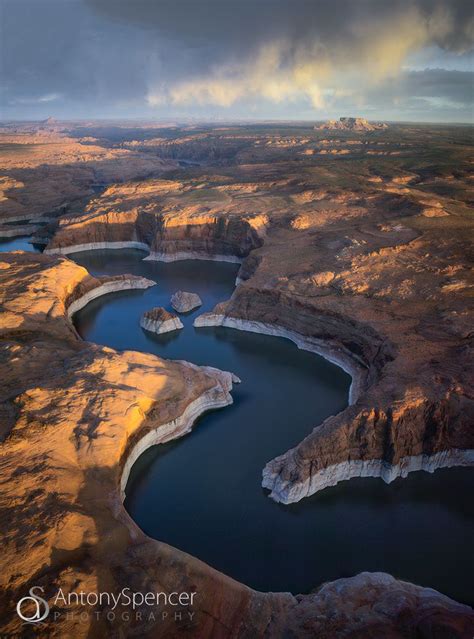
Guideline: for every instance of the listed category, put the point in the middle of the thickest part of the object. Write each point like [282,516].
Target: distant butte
[351,124]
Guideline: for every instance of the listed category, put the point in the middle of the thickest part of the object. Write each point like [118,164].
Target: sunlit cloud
[313,69]
[41,99]
[49,97]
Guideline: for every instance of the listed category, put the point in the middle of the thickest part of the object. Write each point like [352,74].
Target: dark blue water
[203,493]
[18,244]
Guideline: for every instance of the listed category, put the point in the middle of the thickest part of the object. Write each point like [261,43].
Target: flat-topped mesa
[184,302]
[159,320]
[351,124]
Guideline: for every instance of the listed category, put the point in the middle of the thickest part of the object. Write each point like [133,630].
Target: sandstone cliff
[144,215]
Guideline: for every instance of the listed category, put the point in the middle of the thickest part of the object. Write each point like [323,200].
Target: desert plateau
[362,260]
[236,319]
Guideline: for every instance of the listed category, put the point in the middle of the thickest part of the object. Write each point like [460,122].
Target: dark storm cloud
[241,23]
[123,57]
[56,47]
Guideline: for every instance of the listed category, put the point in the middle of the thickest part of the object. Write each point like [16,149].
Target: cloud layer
[234,57]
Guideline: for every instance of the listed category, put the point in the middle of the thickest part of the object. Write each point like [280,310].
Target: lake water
[203,493]
[18,244]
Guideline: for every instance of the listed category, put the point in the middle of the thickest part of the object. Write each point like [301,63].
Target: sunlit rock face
[166,218]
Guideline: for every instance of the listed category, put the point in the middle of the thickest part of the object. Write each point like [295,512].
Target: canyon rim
[236,353]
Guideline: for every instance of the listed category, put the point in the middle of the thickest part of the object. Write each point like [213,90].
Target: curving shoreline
[275,475]
[85,446]
[152,255]
[191,255]
[108,287]
[289,493]
[217,397]
[344,360]
[92,246]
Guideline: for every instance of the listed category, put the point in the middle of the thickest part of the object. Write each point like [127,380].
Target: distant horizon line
[192,120]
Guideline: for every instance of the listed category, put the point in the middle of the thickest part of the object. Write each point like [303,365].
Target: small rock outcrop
[183,302]
[351,124]
[159,320]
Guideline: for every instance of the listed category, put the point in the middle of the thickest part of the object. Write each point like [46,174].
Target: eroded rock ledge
[392,426]
[74,416]
[217,396]
[7,231]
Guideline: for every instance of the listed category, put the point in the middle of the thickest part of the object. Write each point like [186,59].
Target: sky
[226,60]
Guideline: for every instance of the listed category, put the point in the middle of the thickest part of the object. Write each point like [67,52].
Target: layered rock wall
[385,432]
[206,237]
